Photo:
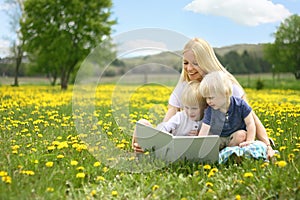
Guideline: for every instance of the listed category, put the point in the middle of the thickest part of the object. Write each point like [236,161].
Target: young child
[187,121]
[226,115]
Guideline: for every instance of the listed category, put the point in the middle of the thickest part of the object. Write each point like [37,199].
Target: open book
[170,148]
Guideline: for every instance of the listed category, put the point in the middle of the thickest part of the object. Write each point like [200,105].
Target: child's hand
[137,148]
[193,133]
[246,143]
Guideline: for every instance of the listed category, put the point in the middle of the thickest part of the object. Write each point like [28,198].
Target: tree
[284,53]
[17,43]
[59,34]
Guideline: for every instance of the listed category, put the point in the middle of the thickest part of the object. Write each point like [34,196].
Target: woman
[199,59]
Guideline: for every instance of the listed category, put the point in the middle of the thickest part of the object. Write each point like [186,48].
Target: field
[76,144]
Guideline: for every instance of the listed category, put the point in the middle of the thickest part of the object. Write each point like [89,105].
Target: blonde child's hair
[216,82]
[206,59]
[192,97]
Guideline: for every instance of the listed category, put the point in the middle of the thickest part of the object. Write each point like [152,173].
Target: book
[170,148]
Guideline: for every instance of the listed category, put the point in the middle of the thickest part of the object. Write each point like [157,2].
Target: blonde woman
[198,60]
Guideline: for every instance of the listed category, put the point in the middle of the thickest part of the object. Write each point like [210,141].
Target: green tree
[284,53]
[59,34]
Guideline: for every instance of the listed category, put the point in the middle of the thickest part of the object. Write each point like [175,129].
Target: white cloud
[141,47]
[4,48]
[246,12]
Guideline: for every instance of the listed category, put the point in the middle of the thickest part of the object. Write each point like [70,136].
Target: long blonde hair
[206,59]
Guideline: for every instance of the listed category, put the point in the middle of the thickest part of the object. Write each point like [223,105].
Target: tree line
[56,36]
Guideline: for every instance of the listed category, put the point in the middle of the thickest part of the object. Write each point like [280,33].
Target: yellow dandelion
[155,187]
[210,174]
[114,193]
[93,193]
[100,178]
[6,179]
[248,175]
[265,164]
[97,164]
[209,184]
[50,189]
[105,169]
[282,148]
[60,156]
[81,168]
[238,197]
[291,157]
[74,162]
[49,164]
[281,163]
[80,175]
[214,170]
[206,167]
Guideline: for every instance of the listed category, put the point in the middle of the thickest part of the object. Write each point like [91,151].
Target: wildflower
[209,184]
[100,178]
[238,197]
[6,179]
[97,164]
[93,193]
[80,175]
[214,170]
[155,187]
[60,156]
[74,162]
[282,148]
[80,168]
[50,189]
[281,163]
[105,169]
[49,164]
[114,193]
[206,167]
[265,164]
[248,175]
[291,157]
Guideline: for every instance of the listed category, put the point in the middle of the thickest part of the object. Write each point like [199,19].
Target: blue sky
[220,22]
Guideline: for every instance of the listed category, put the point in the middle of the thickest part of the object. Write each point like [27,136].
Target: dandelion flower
[74,162]
[206,167]
[97,164]
[238,197]
[80,175]
[49,164]
[281,163]
[155,187]
[60,156]
[209,184]
[114,193]
[248,175]
[50,189]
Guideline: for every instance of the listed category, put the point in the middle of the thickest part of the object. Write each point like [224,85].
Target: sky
[221,23]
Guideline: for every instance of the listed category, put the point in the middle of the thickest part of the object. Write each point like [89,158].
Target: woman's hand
[246,143]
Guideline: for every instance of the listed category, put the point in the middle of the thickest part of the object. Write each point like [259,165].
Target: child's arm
[204,130]
[251,130]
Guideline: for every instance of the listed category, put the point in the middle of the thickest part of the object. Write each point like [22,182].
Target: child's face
[217,102]
[193,112]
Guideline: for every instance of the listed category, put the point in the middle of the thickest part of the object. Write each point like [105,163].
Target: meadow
[51,149]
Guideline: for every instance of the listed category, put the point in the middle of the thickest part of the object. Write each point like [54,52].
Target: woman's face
[191,66]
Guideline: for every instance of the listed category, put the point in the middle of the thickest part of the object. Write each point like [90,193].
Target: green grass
[37,128]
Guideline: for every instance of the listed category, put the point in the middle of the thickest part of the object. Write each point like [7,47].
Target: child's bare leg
[237,138]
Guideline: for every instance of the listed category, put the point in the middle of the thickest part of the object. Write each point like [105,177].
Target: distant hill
[174,59]
[240,48]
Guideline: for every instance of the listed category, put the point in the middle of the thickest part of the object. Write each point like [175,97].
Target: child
[226,115]
[187,121]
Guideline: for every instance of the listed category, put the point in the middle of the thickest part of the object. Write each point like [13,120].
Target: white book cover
[171,148]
